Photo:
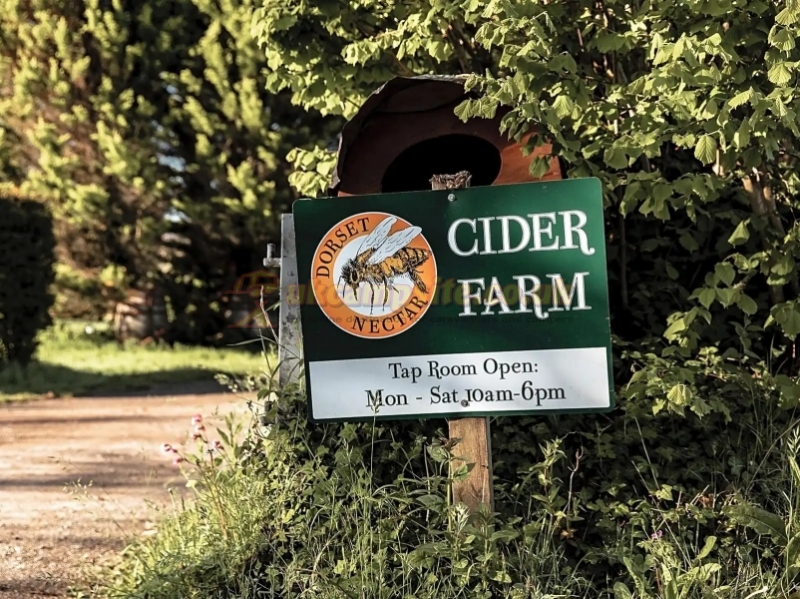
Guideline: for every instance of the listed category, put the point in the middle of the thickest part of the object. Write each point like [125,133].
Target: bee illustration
[381,258]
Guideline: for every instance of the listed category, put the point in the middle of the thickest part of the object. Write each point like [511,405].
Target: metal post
[290,339]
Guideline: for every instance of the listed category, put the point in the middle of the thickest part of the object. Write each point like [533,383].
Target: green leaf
[779,74]
[661,192]
[432,502]
[708,546]
[762,521]
[789,394]
[438,49]
[461,472]
[788,16]
[725,272]
[707,297]
[638,577]
[784,266]
[795,468]
[688,241]
[501,576]
[670,588]
[438,454]
[740,235]
[680,395]
[465,110]
[563,106]
[539,167]
[615,158]
[793,552]
[742,136]
[622,592]
[741,98]
[747,304]
[782,39]
[504,535]
[727,296]
[678,326]
[706,149]
[788,317]
[672,273]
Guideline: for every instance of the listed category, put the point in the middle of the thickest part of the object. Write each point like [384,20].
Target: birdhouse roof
[398,95]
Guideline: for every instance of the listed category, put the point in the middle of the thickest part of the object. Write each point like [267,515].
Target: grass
[72,362]
[285,515]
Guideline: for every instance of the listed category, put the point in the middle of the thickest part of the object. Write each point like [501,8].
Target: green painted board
[485,301]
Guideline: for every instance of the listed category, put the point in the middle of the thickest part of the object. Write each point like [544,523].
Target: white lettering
[451,237]
[469,296]
[560,292]
[570,228]
[487,235]
[526,234]
[496,297]
[538,230]
[533,293]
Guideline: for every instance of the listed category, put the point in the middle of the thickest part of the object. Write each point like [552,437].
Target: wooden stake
[474,435]
[474,447]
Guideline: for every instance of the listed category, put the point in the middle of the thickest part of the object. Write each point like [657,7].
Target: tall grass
[284,513]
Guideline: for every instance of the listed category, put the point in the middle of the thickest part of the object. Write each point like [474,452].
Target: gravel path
[50,530]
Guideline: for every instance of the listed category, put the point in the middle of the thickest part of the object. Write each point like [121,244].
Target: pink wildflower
[166,448]
[197,419]
[177,461]
[217,445]
[196,436]
[199,429]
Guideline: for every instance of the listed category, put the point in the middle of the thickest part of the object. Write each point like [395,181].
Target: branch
[759,206]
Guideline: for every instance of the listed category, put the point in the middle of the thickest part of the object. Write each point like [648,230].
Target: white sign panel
[501,382]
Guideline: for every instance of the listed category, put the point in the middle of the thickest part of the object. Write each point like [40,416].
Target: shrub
[26,273]
[629,505]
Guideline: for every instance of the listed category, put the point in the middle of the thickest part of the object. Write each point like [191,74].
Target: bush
[628,505]
[26,273]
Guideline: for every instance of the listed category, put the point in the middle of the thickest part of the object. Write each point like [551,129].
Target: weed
[293,509]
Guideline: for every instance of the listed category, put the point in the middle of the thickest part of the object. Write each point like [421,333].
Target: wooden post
[474,434]
[474,447]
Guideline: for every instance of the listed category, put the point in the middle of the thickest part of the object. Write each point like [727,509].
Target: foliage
[79,358]
[228,144]
[682,109]
[148,131]
[26,272]
[360,510]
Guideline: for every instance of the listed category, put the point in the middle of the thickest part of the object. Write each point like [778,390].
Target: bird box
[407,131]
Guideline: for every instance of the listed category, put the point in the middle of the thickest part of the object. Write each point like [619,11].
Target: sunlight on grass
[71,361]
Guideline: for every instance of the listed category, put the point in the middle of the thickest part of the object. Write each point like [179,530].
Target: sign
[470,302]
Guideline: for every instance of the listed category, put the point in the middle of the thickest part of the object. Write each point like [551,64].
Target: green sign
[471,302]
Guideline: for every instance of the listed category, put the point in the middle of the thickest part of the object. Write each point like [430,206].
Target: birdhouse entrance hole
[446,155]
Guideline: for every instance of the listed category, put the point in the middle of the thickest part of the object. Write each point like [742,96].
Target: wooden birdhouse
[407,131]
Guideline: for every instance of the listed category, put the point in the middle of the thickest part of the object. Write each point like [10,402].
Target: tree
[133,120]
[228,142]
[80,103]
[684,109]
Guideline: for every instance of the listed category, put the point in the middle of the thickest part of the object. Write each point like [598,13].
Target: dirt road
[50,529]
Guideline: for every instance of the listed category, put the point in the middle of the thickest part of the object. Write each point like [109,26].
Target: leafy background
[685,111]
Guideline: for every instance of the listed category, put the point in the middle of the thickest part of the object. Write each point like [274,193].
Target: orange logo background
[356,311]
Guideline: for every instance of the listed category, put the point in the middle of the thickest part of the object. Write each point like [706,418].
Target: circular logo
[374,275]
